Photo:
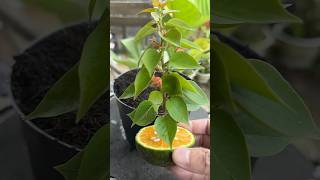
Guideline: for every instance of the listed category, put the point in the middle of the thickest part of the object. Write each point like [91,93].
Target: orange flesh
[149,137]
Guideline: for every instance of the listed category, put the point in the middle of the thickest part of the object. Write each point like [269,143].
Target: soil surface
[123,81]
[39,67]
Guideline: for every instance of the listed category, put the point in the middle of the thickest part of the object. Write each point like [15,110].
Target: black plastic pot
[46,151]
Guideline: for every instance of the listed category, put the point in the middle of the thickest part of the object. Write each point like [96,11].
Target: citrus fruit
[155,150]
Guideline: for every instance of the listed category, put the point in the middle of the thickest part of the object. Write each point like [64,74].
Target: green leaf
[242,73]
[93,67]
[251,11]
[182,60]
[63,96]
[230,147]
[142,81]
[95,160]
[146,30]
[171,85]
[132,47]
[177,109]
[180,24]
[203,6]
[185,84]
[219,171]
[185,43]
[198,97]
[187,11]
[173,36]
[191,106]
[128,93]
[278,116]
[91,7]
[221,91]
[70,169]
[156,98]
[166,129]
[260,146]
[144,113]
[91,162]
[150,59]
[281,87]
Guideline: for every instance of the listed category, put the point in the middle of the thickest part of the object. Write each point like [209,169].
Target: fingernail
[181,156]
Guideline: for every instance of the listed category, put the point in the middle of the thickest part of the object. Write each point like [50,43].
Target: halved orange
[155,150]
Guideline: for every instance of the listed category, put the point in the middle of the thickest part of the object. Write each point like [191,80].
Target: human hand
[194,163]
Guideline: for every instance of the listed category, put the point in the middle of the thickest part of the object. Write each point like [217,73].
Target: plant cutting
[159,93]
[255,112]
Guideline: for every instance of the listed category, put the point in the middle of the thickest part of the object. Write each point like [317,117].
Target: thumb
[196,160]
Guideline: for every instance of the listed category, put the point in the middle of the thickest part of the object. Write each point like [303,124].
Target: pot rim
[13,100]
[279,33]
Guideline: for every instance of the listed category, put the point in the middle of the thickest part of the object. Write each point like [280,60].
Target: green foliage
[182,60]
[230,149]
[177,109]
[142,81]
[93,66]
[150,59]
[251,11]
[92,162]
[156,98]
[144,114]
[166,128]
[60,99]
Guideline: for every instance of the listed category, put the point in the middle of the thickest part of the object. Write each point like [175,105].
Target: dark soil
[39,67]
[123,81]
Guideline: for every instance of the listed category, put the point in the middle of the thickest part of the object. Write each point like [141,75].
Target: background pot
[203,78]
[295,52]
[46,151]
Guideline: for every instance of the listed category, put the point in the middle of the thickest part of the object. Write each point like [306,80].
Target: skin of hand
[194,163]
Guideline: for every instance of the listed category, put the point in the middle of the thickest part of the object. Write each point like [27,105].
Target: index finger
[199,126]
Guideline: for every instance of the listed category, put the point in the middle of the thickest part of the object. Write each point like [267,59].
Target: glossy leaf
[95,160]
[132,47]
[156,97]
[171,85]
[128,93]
[144,114]
[185,43]
[142,81]
[187,11]
[281,87]
[146,30]
[242,73]
[230,147]
[221,91]
[180,24]
[182,60]
[198,97]
[93,67]
[266,11]
[283,119]
[166,128]
[184,83]
[173,36]
[177,109]
[63,96]
[148,10]
[260,146]
[150,59]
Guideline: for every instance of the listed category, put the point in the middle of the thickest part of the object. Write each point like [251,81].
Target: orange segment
[148,137]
